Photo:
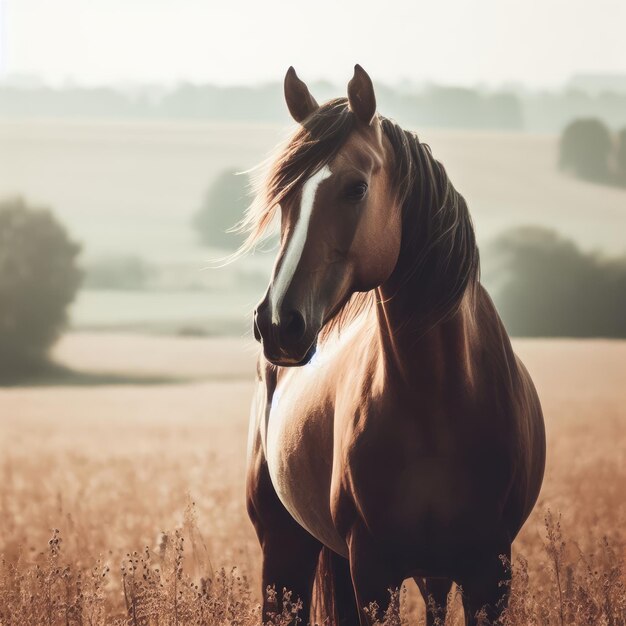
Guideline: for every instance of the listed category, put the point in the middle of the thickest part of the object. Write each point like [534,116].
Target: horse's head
[340,221]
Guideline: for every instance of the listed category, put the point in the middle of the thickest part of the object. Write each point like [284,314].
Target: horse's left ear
[361,95]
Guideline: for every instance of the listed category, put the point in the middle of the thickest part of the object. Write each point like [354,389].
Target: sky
[464,42]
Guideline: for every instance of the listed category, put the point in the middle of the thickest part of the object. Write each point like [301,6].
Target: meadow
[122,489]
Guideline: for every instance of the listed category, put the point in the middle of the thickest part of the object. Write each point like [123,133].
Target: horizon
[37,81]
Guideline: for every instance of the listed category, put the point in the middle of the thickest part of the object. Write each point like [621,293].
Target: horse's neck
[418,352]
[426,309]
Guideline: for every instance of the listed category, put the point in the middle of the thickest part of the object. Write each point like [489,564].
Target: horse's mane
[438,250]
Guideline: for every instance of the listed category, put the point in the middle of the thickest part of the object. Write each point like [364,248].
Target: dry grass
[124,504]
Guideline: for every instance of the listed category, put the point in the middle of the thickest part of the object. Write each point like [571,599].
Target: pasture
[122,492]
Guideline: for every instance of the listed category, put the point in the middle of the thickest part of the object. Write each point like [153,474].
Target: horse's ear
[361,95]
[299,100]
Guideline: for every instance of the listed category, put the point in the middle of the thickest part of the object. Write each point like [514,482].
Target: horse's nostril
[293,327]
[261,322]
[255,327]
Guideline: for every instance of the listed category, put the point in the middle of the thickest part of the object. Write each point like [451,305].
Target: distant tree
[543,285]
[620,157]
[504,110]
[223,207]
[38,280]
[130,273]
[455,107]
[585,148]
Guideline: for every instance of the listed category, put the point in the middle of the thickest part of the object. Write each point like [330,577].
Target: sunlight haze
[487,42]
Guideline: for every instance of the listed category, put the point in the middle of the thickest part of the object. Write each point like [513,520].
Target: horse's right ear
[299,100]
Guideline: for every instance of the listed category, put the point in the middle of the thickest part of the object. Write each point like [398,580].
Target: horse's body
[410,445]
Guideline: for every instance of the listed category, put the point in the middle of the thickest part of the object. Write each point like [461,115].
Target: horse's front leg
[486,589]
[290,553]
[374,574]
[435,592]
[289,563]
[346,608]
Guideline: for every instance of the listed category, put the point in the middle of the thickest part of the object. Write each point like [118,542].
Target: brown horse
[409,440]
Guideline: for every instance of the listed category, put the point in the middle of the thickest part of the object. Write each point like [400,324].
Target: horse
[394,434]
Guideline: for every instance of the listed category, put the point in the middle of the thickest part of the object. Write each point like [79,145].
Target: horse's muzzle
[287,339]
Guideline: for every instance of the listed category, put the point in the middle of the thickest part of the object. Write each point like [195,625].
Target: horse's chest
[299,452]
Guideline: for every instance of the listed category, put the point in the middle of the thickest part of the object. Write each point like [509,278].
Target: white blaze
[297,241]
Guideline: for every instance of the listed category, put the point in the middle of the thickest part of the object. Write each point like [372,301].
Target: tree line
[433,106]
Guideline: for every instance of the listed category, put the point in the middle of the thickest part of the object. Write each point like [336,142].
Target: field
[122,488]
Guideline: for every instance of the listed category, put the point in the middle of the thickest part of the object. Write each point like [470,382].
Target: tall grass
[567,586]
[97,526]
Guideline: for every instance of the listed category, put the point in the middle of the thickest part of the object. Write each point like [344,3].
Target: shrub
[38,280]
[585,147]
[543,285]
[223,207]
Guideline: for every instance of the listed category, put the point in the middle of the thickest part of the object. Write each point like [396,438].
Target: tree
[545,286]
[38,280]
[585,148]
[223,207]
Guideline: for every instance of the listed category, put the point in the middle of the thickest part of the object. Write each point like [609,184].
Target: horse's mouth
[286,361]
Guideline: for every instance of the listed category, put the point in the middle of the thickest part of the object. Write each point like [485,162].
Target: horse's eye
[357,191]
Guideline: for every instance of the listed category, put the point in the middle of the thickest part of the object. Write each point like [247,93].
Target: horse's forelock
[314,145]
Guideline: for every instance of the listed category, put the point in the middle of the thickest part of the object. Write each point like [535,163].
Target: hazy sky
[539,43]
